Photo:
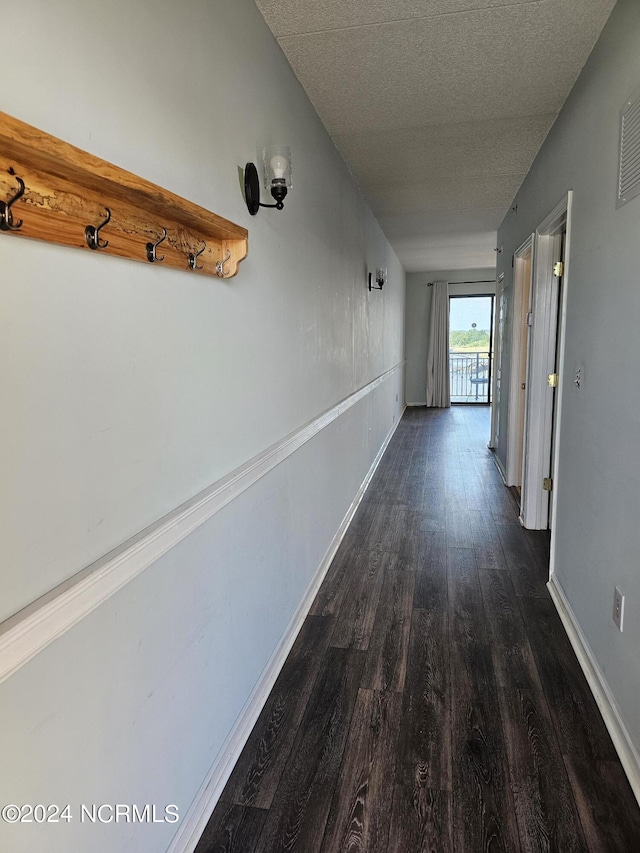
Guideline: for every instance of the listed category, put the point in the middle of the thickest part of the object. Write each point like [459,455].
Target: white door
[544,361]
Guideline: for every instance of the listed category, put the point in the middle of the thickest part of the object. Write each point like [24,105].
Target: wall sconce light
[276,163]
[381,279]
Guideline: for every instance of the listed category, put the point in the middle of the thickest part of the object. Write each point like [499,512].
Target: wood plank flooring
[432,702]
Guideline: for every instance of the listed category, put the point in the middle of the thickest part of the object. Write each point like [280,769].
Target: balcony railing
[469,376]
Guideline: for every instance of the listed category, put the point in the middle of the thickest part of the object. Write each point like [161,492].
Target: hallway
[432,701]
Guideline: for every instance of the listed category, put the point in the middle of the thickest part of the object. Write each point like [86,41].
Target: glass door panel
[470,348]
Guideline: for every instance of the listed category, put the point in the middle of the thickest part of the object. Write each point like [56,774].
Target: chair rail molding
[32,629]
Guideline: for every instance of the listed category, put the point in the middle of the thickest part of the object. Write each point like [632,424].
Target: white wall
[417,320]
[128,389]
[599,464]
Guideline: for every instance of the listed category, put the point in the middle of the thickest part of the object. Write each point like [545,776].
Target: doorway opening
[471,348]
[522,319]
[545,356]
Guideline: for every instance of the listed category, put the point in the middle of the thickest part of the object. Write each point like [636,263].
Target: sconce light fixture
[381,279]
[276,163]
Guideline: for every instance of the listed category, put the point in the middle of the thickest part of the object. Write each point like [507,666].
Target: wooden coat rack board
[69,193]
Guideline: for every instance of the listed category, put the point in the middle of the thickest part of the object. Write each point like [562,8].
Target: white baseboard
[196,819]
[423,404]
[627,752]
[31,630]
[499,466]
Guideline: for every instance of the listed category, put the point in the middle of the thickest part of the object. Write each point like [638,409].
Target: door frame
[543,408]
[496,380]
[517,401]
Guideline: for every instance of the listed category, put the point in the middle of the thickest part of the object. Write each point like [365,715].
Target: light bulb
[278,164]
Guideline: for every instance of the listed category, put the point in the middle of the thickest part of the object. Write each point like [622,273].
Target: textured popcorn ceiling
[438,106]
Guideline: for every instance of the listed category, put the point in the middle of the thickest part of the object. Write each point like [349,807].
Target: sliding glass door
[470,348]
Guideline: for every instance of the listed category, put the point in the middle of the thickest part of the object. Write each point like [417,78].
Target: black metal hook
[151,249]
[194,255]
[6,216]
[220,265]
[92,234]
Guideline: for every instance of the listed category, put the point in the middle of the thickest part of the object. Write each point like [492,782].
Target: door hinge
[552,380]
[529,318]
[547,484]
[558,269]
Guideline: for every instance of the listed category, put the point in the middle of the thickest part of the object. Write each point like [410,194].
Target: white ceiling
[438,106]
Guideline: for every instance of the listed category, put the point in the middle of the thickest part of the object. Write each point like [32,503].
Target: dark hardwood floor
[432,702]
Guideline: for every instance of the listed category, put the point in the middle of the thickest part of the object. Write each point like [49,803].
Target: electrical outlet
[618,608]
